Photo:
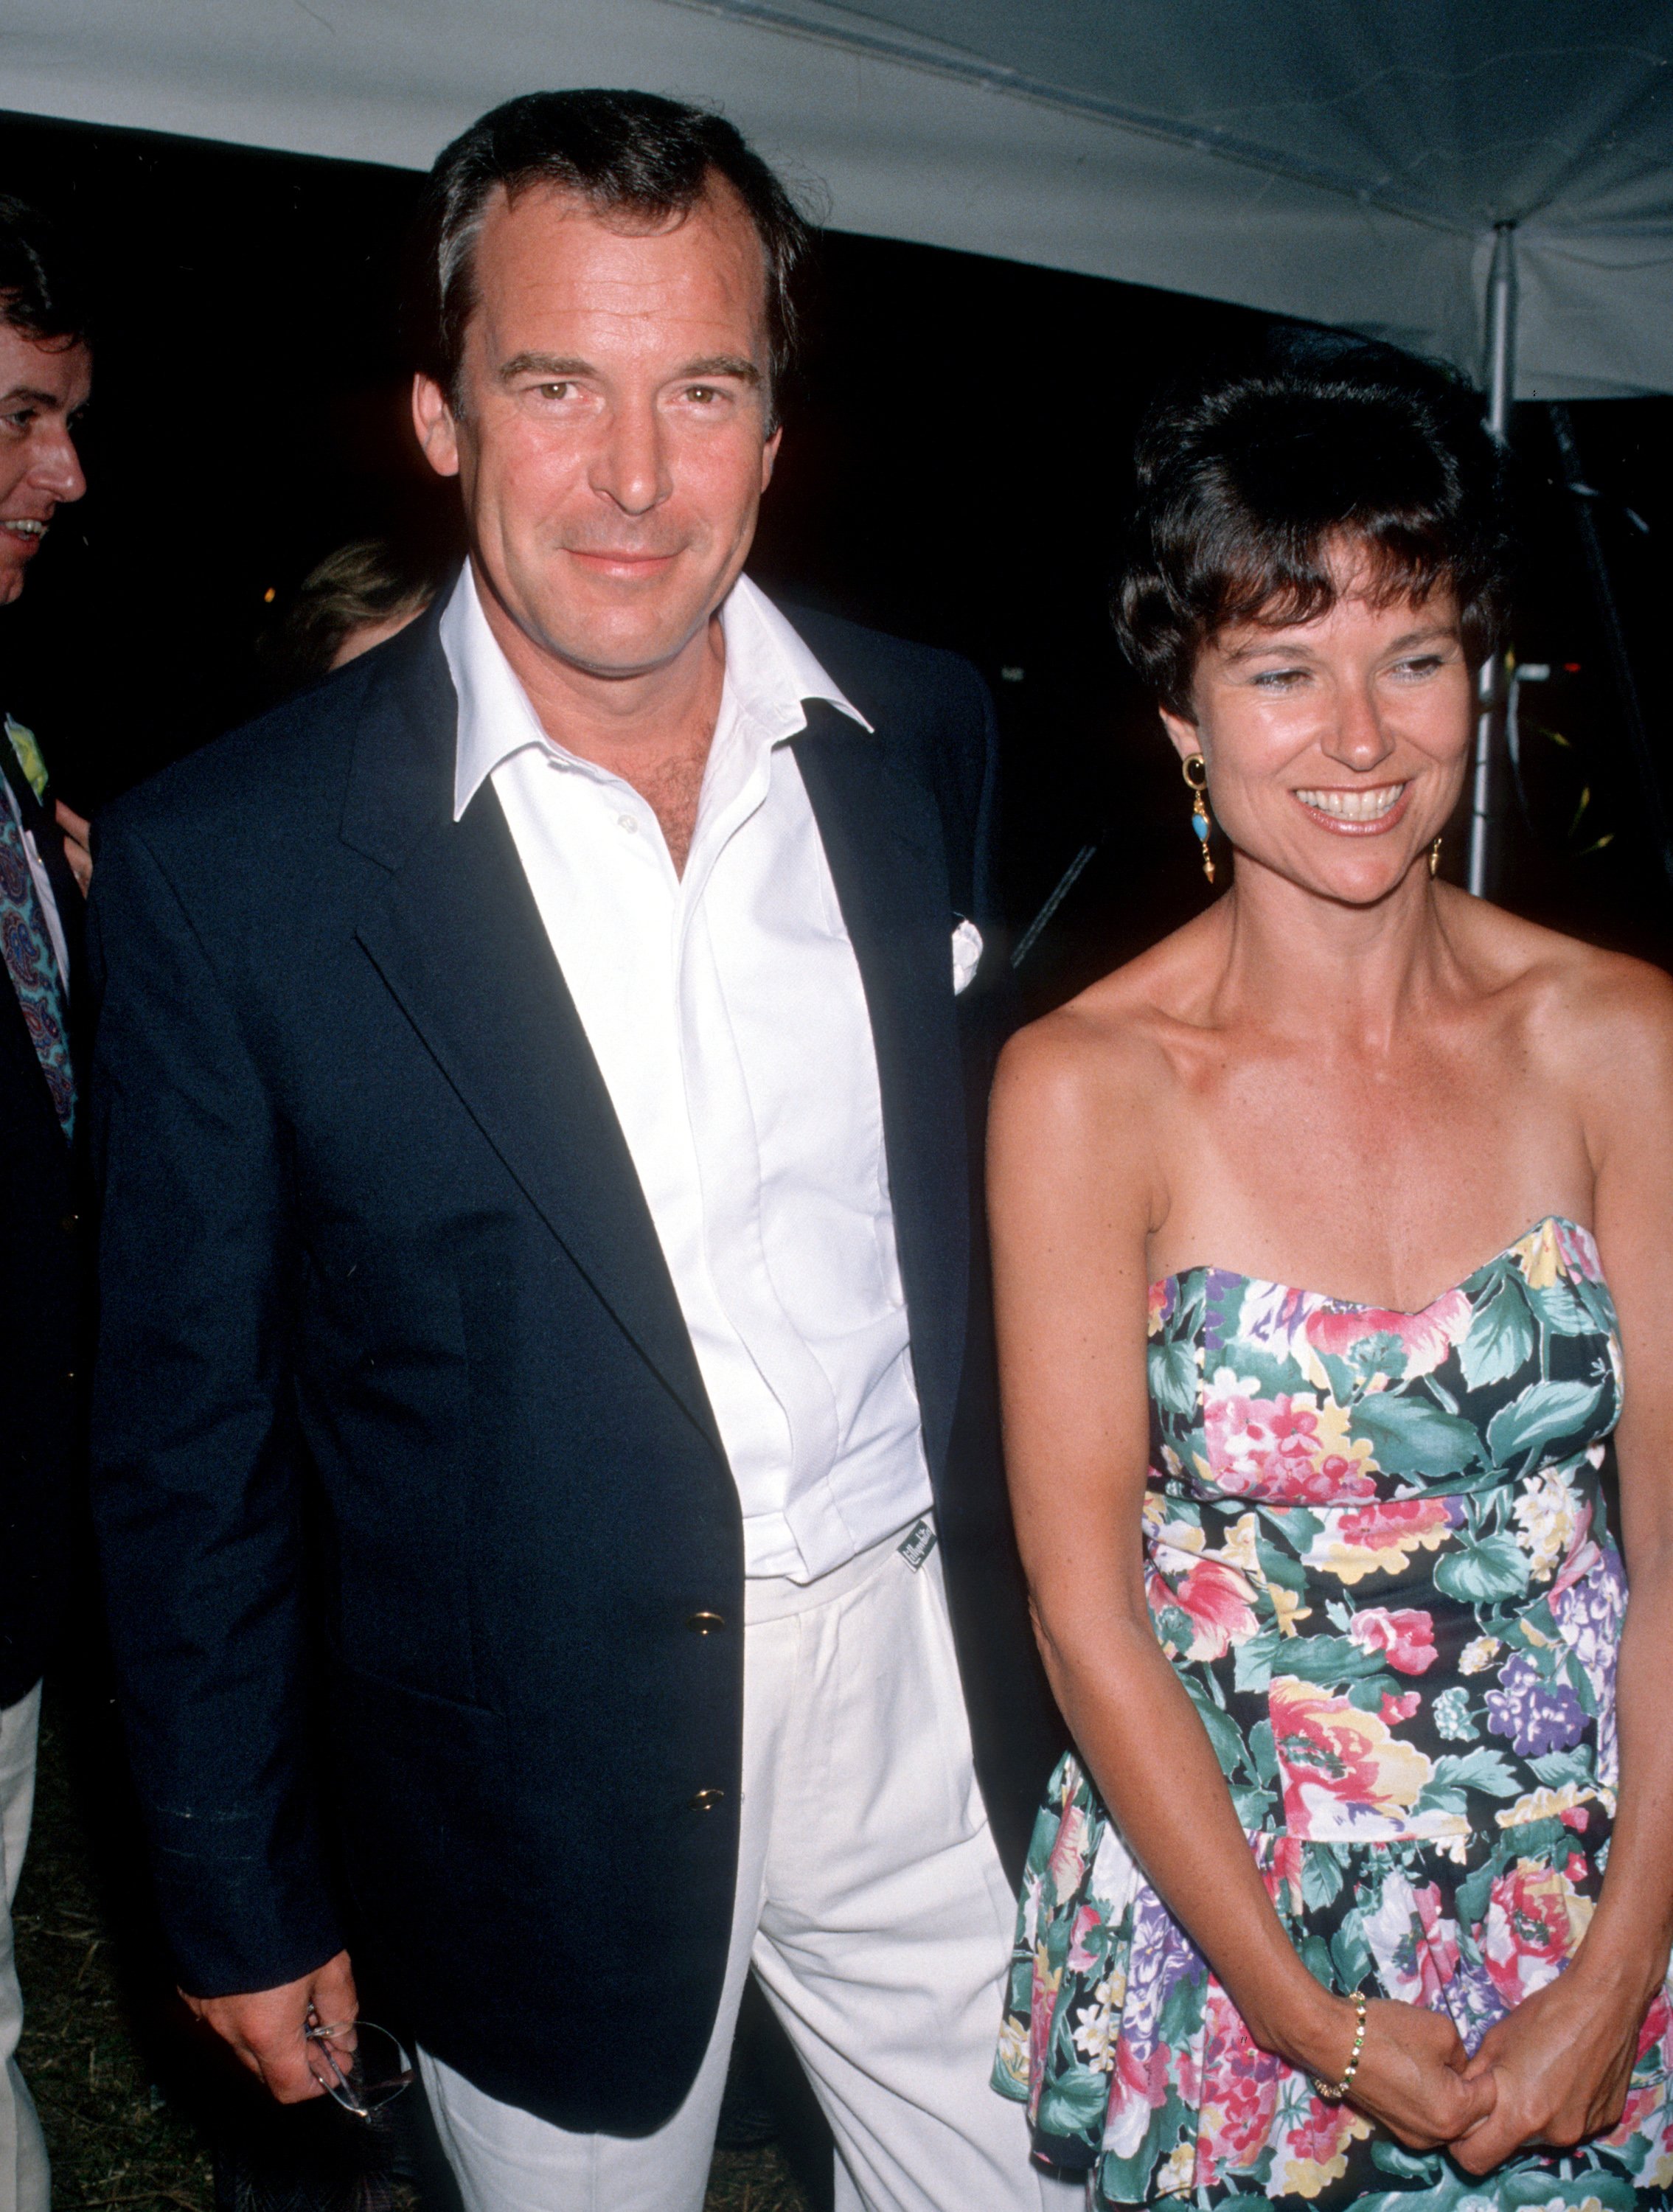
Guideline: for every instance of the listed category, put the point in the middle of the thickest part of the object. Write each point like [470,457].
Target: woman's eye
[1424,665]
[1280,679]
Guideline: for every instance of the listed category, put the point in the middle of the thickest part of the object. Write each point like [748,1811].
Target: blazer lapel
[458,939]
[883,838]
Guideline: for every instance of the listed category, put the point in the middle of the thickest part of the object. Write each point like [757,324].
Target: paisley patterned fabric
[29,961]
[1378,1556]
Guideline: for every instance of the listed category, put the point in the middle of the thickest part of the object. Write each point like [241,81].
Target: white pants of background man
[872,1904]
[23,2170]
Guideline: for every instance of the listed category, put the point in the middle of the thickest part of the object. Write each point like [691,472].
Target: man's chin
[619,650]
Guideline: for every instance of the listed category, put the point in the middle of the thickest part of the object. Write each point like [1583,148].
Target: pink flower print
[1536,1918]
[1215,1598]
[1578,1250]
[1427,1337]
[1286,1449]
[1363,1539]
[1067,1862]
[1085,1922]
[1406,1637]
[1160,1298]
[1393,1711]
[1343,1772]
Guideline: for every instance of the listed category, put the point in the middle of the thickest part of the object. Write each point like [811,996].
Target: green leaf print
[1501,1337]
[1538,1416]
[1264,1750]
[1074,2100]
[1560,1310]
[1321,1877]
[1495,1568]
[1172,1372]
[1252,1659]
[1329,1661]
[1486,1770]
[1409,1436]
[1274,1374]
[1366,1697]
[1222,1730]
[1553,1768]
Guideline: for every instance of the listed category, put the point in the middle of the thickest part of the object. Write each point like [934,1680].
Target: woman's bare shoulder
[1107,1048]
[1589,1015]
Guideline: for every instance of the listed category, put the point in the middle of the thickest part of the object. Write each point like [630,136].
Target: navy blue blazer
[406,1482]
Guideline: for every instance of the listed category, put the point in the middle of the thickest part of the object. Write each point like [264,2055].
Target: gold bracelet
[1334,2092]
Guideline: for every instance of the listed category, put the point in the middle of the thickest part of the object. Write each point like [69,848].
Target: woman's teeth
[1355,806]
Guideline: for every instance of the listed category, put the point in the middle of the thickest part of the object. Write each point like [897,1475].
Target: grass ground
[126,2112]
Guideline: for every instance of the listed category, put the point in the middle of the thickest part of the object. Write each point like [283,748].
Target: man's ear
[433,420]
[769,455]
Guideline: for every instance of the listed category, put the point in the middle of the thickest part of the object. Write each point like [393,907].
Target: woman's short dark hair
[38,293]
[627,153]
[1252,481]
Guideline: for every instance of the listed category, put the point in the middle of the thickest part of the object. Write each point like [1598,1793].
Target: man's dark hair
[39,292]
[627,153]
[1250,480]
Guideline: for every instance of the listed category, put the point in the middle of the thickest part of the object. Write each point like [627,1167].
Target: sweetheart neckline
[1369,1305]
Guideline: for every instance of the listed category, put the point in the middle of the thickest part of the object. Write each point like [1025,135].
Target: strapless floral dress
[1378,1556]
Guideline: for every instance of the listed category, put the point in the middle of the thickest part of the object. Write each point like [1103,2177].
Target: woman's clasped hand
[1416,2077]
[1560,2065]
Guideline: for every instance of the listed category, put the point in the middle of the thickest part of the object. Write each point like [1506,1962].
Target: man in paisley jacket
[45,372]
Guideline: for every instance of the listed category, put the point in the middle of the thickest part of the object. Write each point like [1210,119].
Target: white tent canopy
[1346,161]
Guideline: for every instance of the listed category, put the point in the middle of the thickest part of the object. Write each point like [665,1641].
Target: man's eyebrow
[556,366]
[544,364]
[721,364]
[26,395]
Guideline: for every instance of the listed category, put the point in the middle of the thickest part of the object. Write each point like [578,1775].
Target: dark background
[955,469]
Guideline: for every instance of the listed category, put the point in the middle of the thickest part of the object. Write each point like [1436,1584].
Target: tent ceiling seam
[998,77]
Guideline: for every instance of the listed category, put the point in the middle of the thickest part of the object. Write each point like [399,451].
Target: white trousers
[24,2174]
[871,1905]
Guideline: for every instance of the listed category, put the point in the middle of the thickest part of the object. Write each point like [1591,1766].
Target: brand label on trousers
[918,1544]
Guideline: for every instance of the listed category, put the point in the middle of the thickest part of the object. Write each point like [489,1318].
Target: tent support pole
[1489,686]
[1615,638]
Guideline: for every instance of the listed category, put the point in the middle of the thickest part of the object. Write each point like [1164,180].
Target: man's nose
[630,464]
[55,467]
[1356,736]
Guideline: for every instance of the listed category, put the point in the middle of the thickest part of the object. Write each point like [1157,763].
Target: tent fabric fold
[1343,161]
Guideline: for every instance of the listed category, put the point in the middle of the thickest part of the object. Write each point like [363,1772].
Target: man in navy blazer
[546,1452]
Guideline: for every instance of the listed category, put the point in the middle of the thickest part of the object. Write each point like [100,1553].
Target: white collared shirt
[726,1011]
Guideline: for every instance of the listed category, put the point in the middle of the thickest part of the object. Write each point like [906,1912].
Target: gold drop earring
[1194,769]
[1434,856]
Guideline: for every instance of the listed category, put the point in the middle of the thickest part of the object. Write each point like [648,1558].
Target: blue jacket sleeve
[196,1473]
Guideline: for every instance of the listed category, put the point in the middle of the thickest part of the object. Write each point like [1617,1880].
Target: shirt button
[628,822]
[71,1223]
[707,1800]
[704,1623]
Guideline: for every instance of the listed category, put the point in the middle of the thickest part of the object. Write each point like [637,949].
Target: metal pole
[1615,638]
[1066,883]
[1501,393]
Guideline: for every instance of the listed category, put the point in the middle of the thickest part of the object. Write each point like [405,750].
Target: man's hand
[265,2028]
[77,844]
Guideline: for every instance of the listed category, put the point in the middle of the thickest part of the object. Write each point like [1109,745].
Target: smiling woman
[1358,1881]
